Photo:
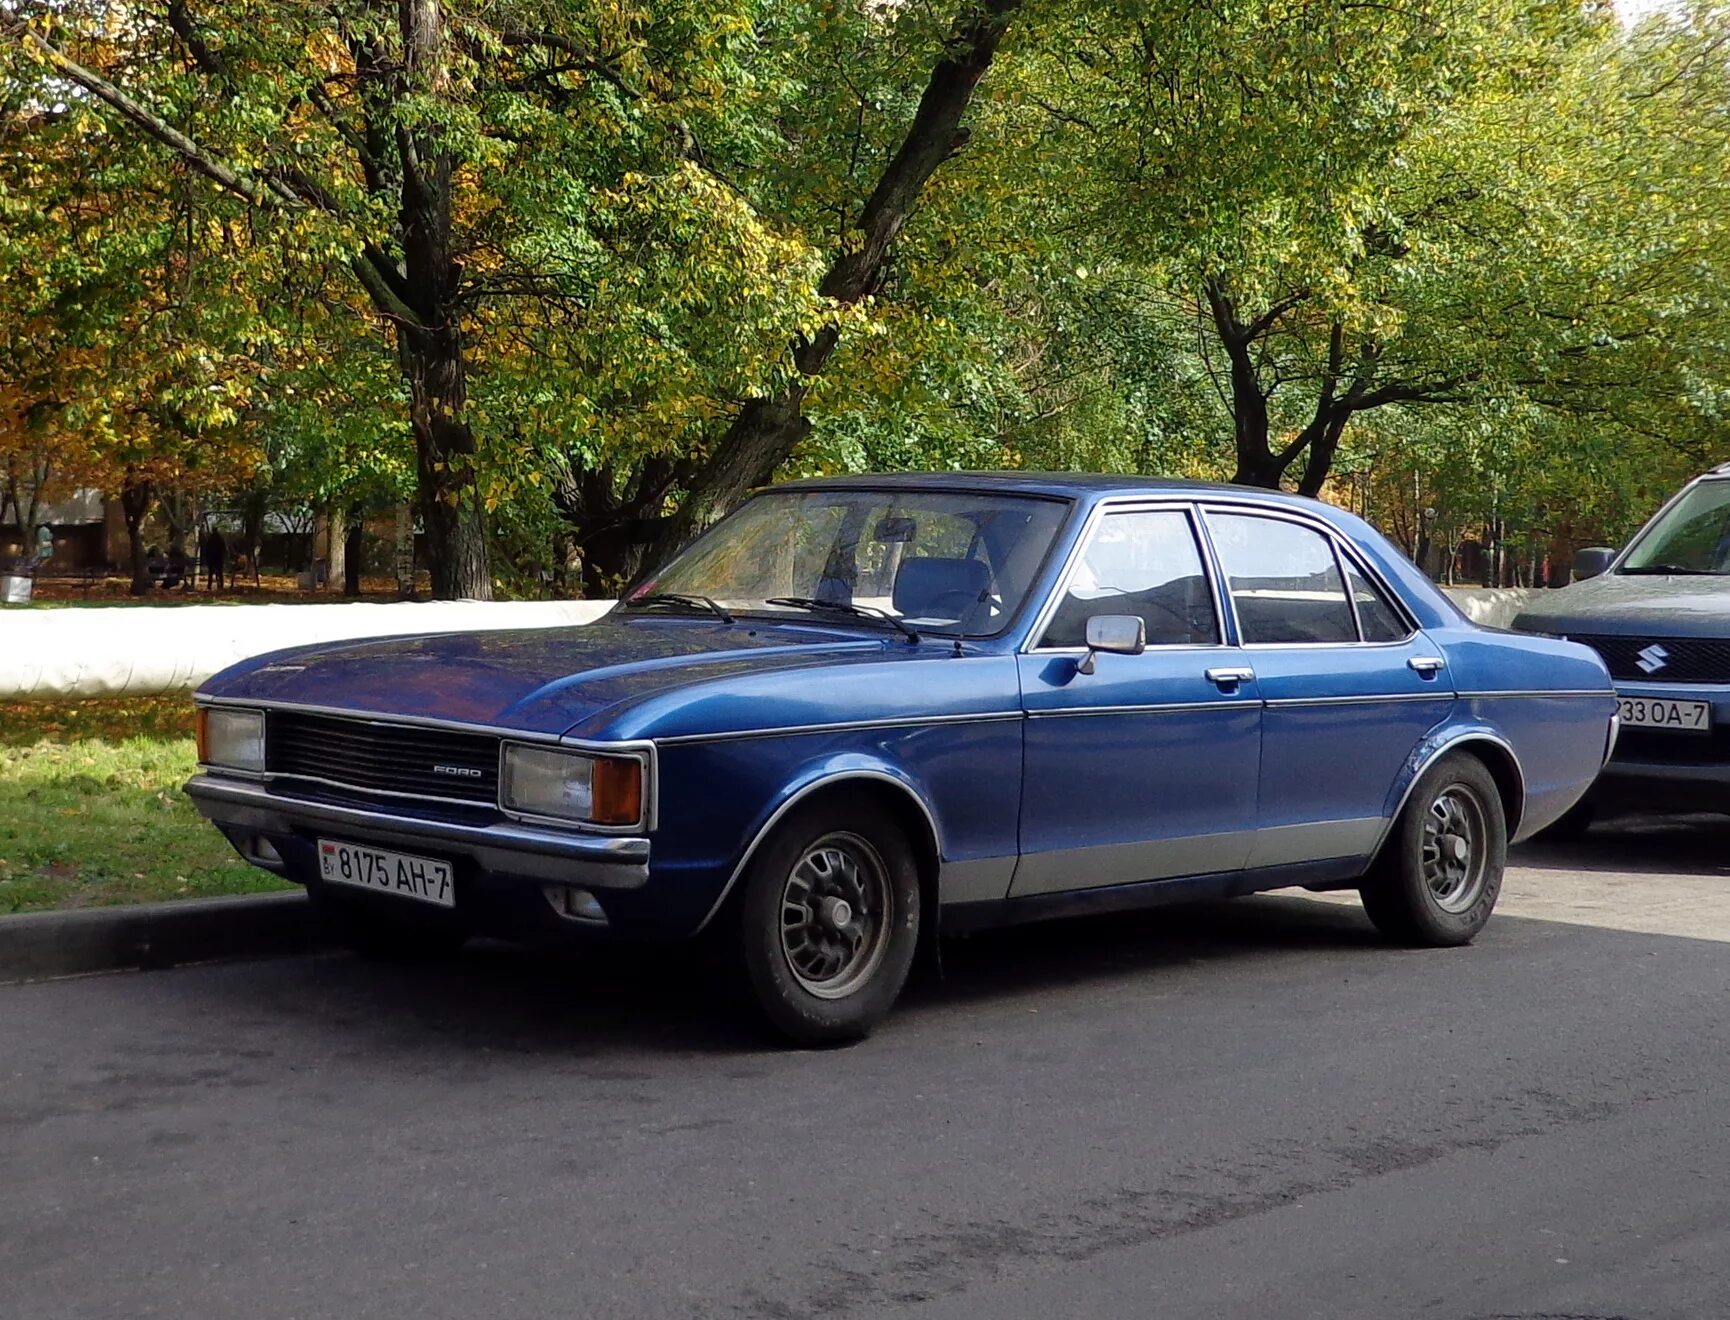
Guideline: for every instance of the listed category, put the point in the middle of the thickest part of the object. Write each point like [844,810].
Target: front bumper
[498,852]
[1674,771]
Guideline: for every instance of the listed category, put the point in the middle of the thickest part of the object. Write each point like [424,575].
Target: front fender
[824,773]
[718,799]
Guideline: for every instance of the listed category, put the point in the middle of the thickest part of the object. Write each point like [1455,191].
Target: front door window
[1146,564]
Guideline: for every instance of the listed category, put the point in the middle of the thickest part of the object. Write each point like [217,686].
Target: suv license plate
[422,878]
[1665,713]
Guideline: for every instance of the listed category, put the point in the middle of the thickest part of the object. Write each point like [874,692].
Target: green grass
[91,811]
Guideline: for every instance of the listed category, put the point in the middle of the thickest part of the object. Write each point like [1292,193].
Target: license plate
[422,878]
[1666,713]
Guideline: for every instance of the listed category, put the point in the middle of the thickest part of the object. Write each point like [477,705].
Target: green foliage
[1489,240]
[91,810]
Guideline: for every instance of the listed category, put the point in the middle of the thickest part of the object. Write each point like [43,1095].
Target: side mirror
[1591,562]
[1119,634]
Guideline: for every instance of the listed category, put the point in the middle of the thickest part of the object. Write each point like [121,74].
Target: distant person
[215,558]
[44,545]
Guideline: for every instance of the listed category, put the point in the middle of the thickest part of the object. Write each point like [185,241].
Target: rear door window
[1284,580]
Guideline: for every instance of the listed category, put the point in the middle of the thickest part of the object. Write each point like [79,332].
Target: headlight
[231,739]
[599,790]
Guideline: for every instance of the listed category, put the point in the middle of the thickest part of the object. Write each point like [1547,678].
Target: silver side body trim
[1538,692]
[1157,708]
[839,726]
[975,880]
[1316,841]
[1126,863]
[1373,699]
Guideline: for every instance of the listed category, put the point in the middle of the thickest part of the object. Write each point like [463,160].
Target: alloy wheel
[1455,841]
[836,915]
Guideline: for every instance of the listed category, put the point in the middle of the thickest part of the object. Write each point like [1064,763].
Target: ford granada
[861,711]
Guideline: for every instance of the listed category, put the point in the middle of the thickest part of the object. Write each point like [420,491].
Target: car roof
[1059,485]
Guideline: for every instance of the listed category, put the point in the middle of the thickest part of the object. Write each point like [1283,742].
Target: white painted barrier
[76,653]
[118,651]
[1494,607]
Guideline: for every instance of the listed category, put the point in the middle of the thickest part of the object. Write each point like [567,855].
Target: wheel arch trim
[820,782]
[1439,746]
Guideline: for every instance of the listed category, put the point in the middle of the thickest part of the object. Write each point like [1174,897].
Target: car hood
[541,680]
[1624,604]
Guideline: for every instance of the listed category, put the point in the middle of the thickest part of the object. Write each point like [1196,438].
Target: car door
[1350,686]
[1146,768]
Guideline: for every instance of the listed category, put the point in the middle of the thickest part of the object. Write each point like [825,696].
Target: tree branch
[1263,323]
[180,19]
[582,56]
[376,178]
[258,191]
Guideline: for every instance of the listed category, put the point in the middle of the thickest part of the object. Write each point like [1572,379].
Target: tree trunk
[761,438]
[402,559]
[1257,465]
[450,507]
[351,553]
[429,337]
[135,498]
[252,532]
[335,548]
[766,431]
[1321,449]
[176,508]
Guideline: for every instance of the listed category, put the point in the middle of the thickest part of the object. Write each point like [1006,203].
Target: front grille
[383,758]
[1684,659]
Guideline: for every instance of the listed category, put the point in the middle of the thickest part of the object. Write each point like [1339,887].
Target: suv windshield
[953,562]
[1692,537]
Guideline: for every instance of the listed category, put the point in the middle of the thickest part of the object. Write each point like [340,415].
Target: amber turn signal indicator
[618,791]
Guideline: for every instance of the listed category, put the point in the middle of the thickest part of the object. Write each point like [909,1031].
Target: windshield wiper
[844,607]
[1671,570]
[686,599]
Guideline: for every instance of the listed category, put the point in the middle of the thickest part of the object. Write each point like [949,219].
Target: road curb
[39,945]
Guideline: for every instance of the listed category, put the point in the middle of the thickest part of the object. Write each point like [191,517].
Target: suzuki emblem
[1653,658]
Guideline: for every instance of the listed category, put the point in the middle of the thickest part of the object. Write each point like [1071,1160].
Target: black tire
[1570,826]
[384,935]
[1421,891]
[795,889]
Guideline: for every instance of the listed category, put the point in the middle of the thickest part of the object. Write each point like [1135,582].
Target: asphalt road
[1249,1109]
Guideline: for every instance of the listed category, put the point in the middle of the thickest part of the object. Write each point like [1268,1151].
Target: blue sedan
[863,710]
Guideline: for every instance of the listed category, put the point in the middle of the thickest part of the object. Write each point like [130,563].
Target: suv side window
[1145,563]
[1285,582]
[1377,618]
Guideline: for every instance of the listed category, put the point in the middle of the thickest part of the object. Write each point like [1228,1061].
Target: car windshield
[951,562]
[1692,537]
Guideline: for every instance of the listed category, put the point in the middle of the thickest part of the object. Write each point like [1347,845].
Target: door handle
[1426,666]
[1227,680]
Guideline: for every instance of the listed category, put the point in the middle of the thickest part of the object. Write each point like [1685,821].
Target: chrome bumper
[598,861]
